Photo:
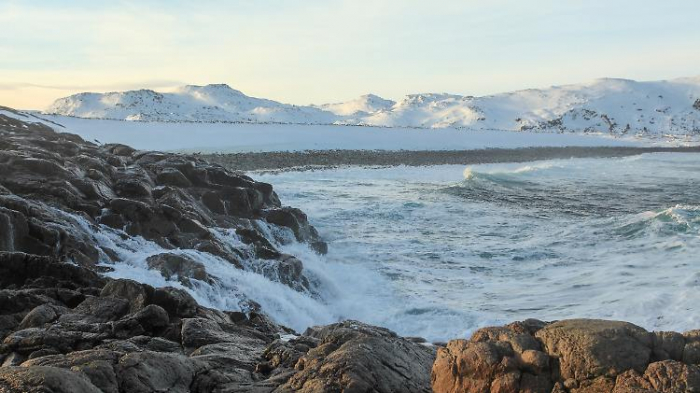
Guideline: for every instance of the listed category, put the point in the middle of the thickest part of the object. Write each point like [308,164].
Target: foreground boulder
[577,355]
[354,357]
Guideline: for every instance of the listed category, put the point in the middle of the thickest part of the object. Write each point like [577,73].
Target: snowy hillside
[360,107]
[211,103]
[611,106]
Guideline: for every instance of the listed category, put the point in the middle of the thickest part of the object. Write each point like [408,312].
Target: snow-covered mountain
[211,103]
[360,107]
[615,106]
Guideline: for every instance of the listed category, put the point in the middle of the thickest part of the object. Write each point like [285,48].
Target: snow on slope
[29,117]
[360,107]
[248,137]
[211,103]
[613,106]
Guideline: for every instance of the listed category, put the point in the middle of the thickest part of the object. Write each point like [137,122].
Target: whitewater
[440,251]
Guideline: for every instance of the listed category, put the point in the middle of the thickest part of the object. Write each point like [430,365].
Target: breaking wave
[440,251]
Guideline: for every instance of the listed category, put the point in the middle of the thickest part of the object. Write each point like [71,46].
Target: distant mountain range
[615,106]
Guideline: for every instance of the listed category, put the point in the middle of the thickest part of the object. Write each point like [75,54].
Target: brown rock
[673,376]
[668,345]
[354,357]
[587,349]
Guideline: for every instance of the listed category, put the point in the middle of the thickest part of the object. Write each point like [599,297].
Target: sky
[319,51]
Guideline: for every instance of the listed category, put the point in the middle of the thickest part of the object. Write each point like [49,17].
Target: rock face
[76,332]
[56,190]
[571,355]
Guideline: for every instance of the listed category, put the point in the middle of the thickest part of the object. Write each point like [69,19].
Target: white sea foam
[426,253]
[606,238]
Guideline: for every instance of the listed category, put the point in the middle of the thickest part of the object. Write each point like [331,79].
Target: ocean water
[440,251]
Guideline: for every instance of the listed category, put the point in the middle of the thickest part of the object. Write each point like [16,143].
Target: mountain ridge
[610,105]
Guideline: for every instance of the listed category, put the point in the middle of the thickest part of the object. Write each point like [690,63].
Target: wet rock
[214,202]
[71,329]
[172,177]
[119,150]
[20,269]
[135,293]
[177,302]
[134,188]
[179,267]
[166,198]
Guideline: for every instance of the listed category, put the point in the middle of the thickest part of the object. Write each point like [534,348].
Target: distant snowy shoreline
[327,159]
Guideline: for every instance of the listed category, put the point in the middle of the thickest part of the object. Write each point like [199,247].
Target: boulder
[590,348]
[177,302]
[41,315]
[135,293]
[44,379]
[179,267]
[146,372]
[355,357]
[673,376]
[172,177]
[573,356]
[98,309]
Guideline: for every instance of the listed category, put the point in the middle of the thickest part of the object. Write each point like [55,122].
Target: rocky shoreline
[326,159]
[67,327]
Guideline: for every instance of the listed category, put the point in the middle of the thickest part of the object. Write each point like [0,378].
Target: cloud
[149,84]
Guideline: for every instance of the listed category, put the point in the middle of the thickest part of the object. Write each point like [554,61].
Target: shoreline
[329,159]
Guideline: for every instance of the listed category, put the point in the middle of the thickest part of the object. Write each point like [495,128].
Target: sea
[440,251]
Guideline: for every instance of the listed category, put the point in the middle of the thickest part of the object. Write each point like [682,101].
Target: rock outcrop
[57,190]
[577,355]
[352,357]
[65,327]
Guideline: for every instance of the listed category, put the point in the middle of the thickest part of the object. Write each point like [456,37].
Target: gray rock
[146,372]
[179,267]
[137,294]
[44,379]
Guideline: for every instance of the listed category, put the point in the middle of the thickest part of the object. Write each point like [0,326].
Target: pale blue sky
[333,50]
